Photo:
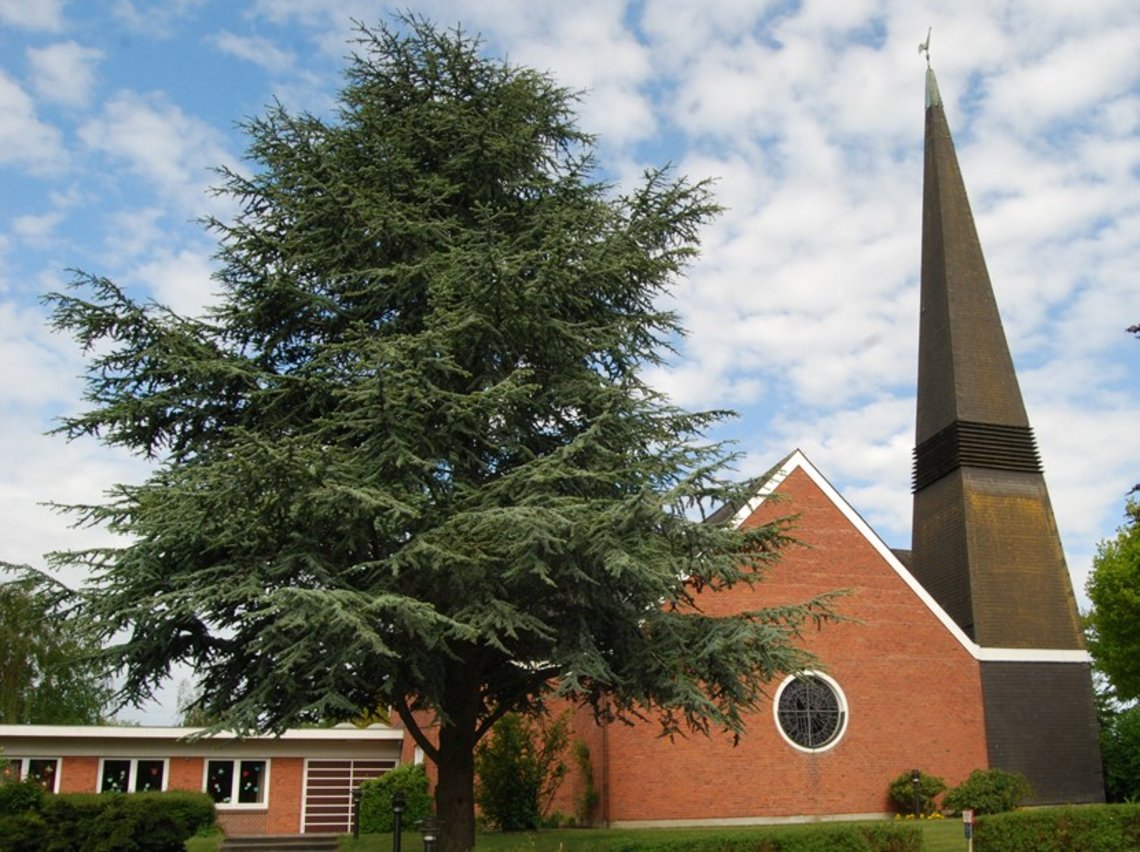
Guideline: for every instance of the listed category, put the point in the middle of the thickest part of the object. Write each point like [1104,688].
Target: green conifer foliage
[410,460]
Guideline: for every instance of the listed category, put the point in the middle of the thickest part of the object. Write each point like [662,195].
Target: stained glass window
[810,711]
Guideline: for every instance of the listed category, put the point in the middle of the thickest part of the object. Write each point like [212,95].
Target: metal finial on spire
[925,46]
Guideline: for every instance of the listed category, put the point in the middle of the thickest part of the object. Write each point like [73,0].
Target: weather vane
[925,46]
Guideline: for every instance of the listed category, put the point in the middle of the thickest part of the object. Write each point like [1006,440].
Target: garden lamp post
[916,779]
[398,805]
[430,828]
[356,813]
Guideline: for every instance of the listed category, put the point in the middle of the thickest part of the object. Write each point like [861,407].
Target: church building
[963,653]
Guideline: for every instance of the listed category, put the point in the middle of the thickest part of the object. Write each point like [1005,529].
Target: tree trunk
[455,789]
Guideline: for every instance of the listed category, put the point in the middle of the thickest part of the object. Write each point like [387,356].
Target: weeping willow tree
[409,459]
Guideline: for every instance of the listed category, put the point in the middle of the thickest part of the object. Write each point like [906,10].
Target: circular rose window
[811,712]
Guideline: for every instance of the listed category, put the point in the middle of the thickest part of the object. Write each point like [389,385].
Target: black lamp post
[356,813]
[430,828]
[398,805]
[916,779]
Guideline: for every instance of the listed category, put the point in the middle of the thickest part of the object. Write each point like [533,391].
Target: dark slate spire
[985,540]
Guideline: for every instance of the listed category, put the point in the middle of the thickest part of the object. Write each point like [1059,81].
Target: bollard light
[430,829]
[356,813]
[399,803]
[916,779]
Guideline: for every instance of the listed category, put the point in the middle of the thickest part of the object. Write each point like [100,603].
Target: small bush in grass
[929,789]
[376,815]
[988,791]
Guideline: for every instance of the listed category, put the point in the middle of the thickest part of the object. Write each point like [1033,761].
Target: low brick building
[300,782]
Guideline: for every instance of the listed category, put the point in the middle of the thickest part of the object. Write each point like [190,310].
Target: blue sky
[803,310]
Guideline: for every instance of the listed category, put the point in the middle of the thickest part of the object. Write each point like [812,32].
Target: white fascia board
[172,734]
[797,460]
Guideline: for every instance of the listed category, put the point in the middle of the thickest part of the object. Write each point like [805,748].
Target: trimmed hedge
[885,837]
[108,822]
[1083,828]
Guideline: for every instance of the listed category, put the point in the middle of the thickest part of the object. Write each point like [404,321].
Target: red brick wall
[185,773]
[244,822]
[79,775]
[913,693]
[286,780]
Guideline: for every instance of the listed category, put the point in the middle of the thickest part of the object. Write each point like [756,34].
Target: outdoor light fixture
[356,813]
[399,803]
[916,779]
[430,829]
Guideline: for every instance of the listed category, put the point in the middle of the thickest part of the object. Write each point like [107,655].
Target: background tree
[1113,623]
[47,676]
[408,460]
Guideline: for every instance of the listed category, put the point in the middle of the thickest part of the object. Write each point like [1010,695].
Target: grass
[937,836]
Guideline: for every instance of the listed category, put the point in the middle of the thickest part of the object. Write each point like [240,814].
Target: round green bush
[988,791]
[929,788]
[376,815]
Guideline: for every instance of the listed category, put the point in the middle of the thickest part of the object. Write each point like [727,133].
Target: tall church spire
[985,543]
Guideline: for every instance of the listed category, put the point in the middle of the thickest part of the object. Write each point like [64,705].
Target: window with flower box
[133,775]
[237,782]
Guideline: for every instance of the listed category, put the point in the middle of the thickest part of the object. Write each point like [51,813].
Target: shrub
[26,832]
[519,771]
[1085,828]
[988,791]
[376,815]
[116,822]
[929,788]
[587,800]
[20,797]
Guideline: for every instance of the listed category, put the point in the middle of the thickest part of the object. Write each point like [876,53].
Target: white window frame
[234,804]
[844,710]
[133,772]
[26,763]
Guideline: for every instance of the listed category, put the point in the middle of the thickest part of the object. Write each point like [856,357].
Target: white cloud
[259,51]
[45,15]
[64,72]
[173,151]
[178,279]
[36,230]
[156,18]
[24,139]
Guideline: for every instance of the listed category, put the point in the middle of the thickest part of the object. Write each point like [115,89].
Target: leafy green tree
[1113,623]
[1120,753]
[47,674]
[409,459]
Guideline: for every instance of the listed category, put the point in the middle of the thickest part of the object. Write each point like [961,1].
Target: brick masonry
[913,693]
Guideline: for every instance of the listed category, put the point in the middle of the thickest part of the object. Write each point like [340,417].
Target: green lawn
[938,836]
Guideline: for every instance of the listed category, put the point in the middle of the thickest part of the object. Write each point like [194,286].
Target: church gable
[836,548]
[895,666]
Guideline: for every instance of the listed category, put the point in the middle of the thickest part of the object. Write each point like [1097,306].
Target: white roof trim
[797,460]
[130,732]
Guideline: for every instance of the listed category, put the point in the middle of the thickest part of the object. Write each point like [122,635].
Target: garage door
[328,792]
